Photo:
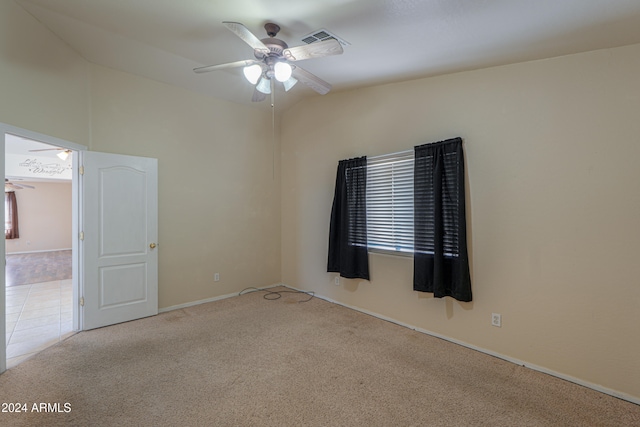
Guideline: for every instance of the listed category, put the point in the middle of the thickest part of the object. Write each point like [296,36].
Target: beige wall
[44,218]
[552,154]
[43,82]
[219,199]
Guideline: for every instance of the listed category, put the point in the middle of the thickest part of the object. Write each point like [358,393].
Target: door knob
[152,245]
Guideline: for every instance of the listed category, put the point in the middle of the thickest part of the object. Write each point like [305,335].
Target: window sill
[390,253]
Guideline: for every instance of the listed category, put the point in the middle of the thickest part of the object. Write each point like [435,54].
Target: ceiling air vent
[321,35]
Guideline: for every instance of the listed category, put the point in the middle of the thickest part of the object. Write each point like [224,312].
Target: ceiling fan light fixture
[289,83]
[274,60]
[264,86]
[252,73]
[282,71]
[63,155]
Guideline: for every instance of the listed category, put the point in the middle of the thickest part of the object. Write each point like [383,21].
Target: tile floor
[38,316]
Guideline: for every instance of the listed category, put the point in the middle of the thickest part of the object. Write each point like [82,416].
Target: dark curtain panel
[441,265]
[348,229]
[10,216]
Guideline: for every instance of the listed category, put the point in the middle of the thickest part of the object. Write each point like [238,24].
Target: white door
[119,204]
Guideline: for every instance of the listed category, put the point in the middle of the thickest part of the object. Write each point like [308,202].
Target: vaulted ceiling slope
[389,40]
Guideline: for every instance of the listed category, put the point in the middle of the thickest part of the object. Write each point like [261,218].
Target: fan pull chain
[273,131]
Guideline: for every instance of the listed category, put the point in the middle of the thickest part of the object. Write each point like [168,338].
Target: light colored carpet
[247,361]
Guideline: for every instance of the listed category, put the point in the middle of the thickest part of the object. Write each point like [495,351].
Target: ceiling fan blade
[243,63]
[46,149]
[311,80]
[258,96]
[313,50]
[247,36]
[10,186]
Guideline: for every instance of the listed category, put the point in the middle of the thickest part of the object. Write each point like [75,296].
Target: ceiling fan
[63,154]
[274,61]
[10,186]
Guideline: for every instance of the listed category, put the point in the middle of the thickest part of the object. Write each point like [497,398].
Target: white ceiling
[391,40]
[25,147]
[30,149]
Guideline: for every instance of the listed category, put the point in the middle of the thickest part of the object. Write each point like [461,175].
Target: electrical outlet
[337,280]
[216,277]
[496,319]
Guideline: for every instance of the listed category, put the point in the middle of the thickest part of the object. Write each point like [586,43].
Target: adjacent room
[38,273]
[543,99]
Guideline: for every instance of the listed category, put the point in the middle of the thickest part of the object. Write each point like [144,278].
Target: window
[391,180]
[412,202]
[10,216]
[390,202]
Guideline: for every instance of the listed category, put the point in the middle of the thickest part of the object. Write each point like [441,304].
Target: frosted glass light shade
[289,83]
[252,73]
[264,86]
[282,71]
[63,155]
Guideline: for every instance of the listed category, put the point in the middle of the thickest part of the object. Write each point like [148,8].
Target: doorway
[116,271]
[38,273]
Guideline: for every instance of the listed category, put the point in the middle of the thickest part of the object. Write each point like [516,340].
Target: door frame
[75,227]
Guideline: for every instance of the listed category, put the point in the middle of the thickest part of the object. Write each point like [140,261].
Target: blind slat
[390,202]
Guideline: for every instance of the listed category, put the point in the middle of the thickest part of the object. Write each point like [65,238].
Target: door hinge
[82,235]
[81,170]
[81,301]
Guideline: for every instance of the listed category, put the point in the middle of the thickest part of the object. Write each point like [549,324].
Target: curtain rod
[404,152]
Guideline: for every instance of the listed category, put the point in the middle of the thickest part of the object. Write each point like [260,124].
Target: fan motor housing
[276,46]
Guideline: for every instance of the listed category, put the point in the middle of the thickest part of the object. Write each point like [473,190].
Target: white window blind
[390,202]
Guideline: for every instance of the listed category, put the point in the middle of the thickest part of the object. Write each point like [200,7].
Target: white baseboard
[38,252]
[596,387]
[204,301]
